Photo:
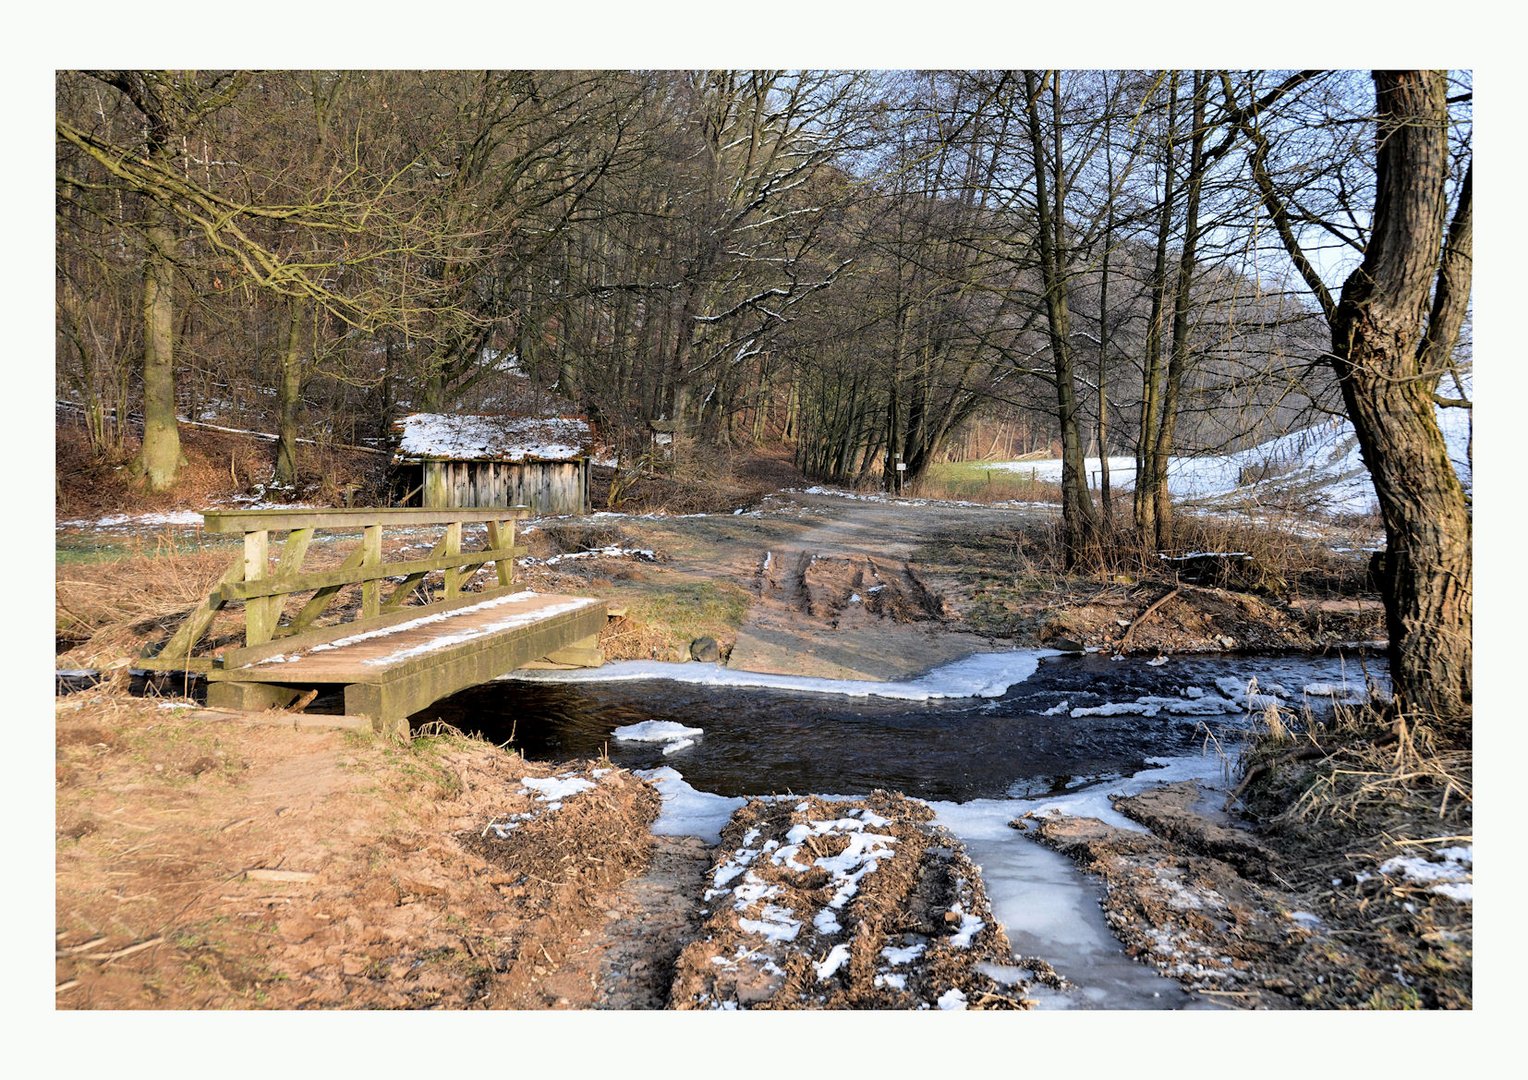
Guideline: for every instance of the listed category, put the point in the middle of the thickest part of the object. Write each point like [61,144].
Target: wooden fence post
[453,574]
[371,589]
[501,534]
[258,625]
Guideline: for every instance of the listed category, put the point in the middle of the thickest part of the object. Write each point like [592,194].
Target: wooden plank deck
[395,668]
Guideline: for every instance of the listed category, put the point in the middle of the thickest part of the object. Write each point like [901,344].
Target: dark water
[769,742]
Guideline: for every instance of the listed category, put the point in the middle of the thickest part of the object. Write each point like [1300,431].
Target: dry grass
[109,610]
[697,481]
[1403,771]
[975,481]
[1281,563]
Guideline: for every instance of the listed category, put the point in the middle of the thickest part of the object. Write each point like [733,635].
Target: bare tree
[1393,331]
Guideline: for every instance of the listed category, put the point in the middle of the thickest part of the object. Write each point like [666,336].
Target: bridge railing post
[259,627]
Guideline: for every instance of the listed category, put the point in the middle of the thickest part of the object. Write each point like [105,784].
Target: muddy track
[846,597]
[655,916]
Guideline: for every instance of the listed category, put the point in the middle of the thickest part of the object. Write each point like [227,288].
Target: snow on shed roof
[492,438]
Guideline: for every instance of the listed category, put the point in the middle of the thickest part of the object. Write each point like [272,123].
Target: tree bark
[289,397]
[158,459]
[1379,348]
[1079,518]
[1178,360]
[1144,503]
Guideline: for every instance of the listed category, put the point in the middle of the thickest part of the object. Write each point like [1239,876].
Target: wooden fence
[266,576]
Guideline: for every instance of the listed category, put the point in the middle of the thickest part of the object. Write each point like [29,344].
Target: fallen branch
[1143,616]
[279,875]
[302,703]
[89,946]
[120,953]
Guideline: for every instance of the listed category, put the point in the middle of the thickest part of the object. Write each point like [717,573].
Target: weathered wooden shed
[472,460]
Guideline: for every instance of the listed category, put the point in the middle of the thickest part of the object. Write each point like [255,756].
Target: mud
[652,919]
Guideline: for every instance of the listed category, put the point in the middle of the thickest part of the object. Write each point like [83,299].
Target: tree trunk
[1177,364]
[289,397]
[1151,377]
[1376,330]
[159,456]
[1079,518]
[1105,496]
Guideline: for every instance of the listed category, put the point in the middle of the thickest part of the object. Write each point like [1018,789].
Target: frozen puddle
[1050,910]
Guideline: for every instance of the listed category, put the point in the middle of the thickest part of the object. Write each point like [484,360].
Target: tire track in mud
[657,915]
[845,598]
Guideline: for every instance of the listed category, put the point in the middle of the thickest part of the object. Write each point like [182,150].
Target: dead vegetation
[1228,587]
[1312,908]
[108,610]
[692,480]
[221,862]
[218,465]
[859,904]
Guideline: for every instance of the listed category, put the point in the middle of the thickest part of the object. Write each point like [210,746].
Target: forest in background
[853,265]
[848,262]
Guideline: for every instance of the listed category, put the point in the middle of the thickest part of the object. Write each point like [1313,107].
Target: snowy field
[1317,468]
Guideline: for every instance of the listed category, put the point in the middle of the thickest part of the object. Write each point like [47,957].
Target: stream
[1079,728]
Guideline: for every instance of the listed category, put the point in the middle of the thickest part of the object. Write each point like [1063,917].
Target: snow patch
[685,811]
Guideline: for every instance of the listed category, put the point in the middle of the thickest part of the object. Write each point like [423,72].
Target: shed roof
[492,438]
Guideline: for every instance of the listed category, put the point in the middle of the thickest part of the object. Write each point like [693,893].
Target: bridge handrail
[264,590]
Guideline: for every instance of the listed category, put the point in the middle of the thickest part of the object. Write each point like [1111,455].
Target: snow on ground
[173,518]
[611,552]
[891,500]
[549,792]
[1323,462]
[1451,876]
[553,789]
[984,675]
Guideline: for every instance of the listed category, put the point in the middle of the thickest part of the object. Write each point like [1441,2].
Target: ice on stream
[982,675]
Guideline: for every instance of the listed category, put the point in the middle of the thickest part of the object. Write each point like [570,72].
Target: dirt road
[846,599]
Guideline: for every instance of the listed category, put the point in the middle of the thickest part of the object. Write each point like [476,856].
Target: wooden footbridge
[405,647]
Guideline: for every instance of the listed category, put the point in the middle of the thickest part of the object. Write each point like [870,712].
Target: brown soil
[213,860]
